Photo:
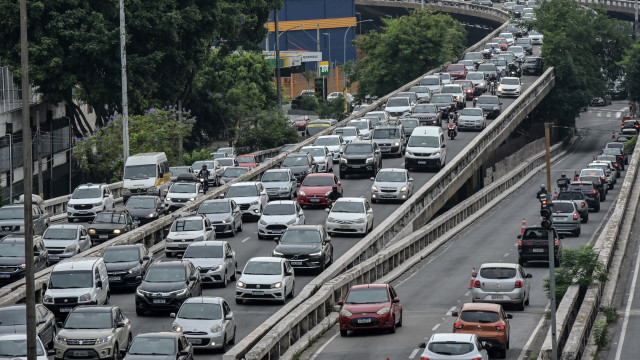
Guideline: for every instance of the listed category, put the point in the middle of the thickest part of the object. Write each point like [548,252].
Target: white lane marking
[618,114]
[450,311]
[505,255]
[246,239]
[435,327]
[526,347]
[321,348]
[627,310]
[609,114]
[467,293]
[599,114]
[414,353]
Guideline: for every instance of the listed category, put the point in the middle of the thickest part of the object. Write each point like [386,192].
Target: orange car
[488,321]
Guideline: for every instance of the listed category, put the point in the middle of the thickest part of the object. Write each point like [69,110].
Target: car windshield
[152,346]
[487,67]
[198,165]
[475,76]
[165,274]
[327,141]
[262,268]
[72,279]
[455,67]
[242,191]
[419,89]
[201,311]
[187,225]
[183,188]
[367,296]
[362,125]
[358,149]
[523,41]
[140,171]
[570,195]
[464,83]
[86,193]
[516,49]
[386,133]
[451,90]
[535,234]
[135,202]
[209,252]
[279,209]
[423,141]
[177,170]
[439,99]
[611,151]
[590,172]
[225,162]
[275,176]
[11,348]
[488,100]
[430,81]
[115,254]
[295,161]
[13,317]
[530,61]
[497,273]
[345,131]
[615,145]
[234,172]
[499,62]
[409,123]
[245,159]
[297,236]
[60,234]
[450,348]
[425,109]
[393,102]
[12,249]
[318,181]
[519,7]
[348,207]
[12,213]
[473,56]
[560,208]
[88,320]
[109,218]
[391,176]
[478,316]
[510,81]
[471,112]
[314,151]
[219,207]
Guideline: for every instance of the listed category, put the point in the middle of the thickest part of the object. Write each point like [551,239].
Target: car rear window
[562,208]
[497,273]
[477,316]
[570,195]
[450,348]
[535,234]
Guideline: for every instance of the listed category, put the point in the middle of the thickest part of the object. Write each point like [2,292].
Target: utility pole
[278,84]
[123,73]
[27,164]
[38,144]
[330,63]
[10,166]
[70,149]
[547,139]
[180,135]
[551,246]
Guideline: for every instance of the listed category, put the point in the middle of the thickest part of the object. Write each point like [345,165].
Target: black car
[444,102]
[615,152]
[360,157]
[166,285]
[631,127]
[490,104]
[598,184]
[427,114]
[306,247]
[110,224]
[145,208]
[408,124]
[159,346]
[287,147]
[590,192]
[126,263]
[301,164]
[12,260]
[13,319]
[533,244]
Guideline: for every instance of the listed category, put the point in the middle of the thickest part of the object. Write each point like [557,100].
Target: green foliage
[3,201]
[332,109]
[265,130]
[406,48]
[601,333]
[196,155]
[631,65]
[309,103]
[580,43]
[631,144]
[579,267]
[610,313]
[100,155]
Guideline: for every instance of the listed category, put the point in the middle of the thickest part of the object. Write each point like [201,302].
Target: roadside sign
[324,68]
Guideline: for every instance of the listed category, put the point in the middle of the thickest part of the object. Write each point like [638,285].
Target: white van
[146,174]
[426,148]
[76,281]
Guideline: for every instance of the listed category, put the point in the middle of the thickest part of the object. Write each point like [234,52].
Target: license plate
[67,309]
[343,226]
[257,292]
[537,250]
[195,341]
[159,301]
[4,276]
[314,200]
[103,237]
[422,162]
[277,231]
[497,297]
[202,276]
[54,257]
[357,166]
[114,278]
[294,263]
[80,353]
[385,148]
[364,321]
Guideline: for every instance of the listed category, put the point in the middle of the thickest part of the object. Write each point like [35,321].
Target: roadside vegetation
[579,267]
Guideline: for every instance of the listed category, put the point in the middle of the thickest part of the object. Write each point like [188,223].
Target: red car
[247,161]
[316,187]
[371,306]
[457,71]
[467,87]
[504,45]
[301,122]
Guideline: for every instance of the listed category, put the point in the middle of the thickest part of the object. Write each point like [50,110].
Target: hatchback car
[231,173]
[13,260]
[13,319]
[306,247]
[334,143]
[472,118]
[454,346]
[110,224]
[187,230]
[348,134]
[398,107]
[145,208]
[126,264]
[591,194]
[533,245]
[468,88]
[621,146]
[166,285]
[181,194]
[301,164]
[501,283]
[490,104]
[248,161]
[250,196]
[316,188]
[422,92]
[391,184]
[223,214]
[457,71]
[322,156]
[178,170]
[579,200]
[207,322]
[280,183]
[458,93]
[565,217]
[364,127]
[160,346]
[445,103]
[65,240]
[488,321]
[478,80]
[277,216]
[266,278]
[432,82]
[215,260]
[350,216]
[370,306]
[14,346]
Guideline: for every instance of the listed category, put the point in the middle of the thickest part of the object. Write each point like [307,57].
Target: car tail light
[575,216]
[519,244]
[458,325]
[500,327]
[595,191]
[557,244]
[424,358]
[518,284]
[476,284]
[583,204]
[476,359]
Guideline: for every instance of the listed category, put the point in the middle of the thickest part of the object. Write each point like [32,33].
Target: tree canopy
[631,66]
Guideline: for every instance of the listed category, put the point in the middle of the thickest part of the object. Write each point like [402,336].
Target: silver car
[181,194]
[65,240]
[451,346]
[266,278]
[472,118]
[187,230]
[231,173]
[391,184]
[216,261]
[565,217]
[207,322]
[278,216]
[280,183]
[224,215]
[333,142]
[322,156]
[501,283]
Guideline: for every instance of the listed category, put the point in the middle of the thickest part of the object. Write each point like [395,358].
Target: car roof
[297,154]
[451,337]
[244,183]
[503,265]
[205,300]
[368,286]
[192,217]
[319,175]
[93,308]
[282,202]
[90,186]
[213,201]
[82,263]
[267,259]
[64,226]
[208,243]
[305,227]
[124,246]
[360,142]
[393,170]
[169,263]
[246,155]
[164,334]
[351,199]
[481,306]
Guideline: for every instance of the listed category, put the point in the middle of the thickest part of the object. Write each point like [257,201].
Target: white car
[322,156]
[445,78]
[348,134]
[508,36]
[186,230]
[472,118]
[216,261]
[350,215]
[89,200]
[432,82]
[454,346]
[383,116]
[334,143]
[251,196]
[337,94]
[278,216]
[266,278]
[510,86]
[458,93]
[536,37]
[207,322]
[14,347]
[364,125]
[398,107]
[181,194]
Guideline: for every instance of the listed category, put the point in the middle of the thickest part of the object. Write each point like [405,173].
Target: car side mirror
[120,324]
[184,352]
[410,179]
[486,346]
[51,352]
[123,352]
[138,278]
[229,316]
[99,284]
[327,210]
[443,145]
[509,316]
[193,278]
[238,272]
[422,345]
[396,301]
[519,236]
[455,314]
[528,276]
[371,178]
[289,273]
[210,228]
[173,315]
[146,257]
[221,196]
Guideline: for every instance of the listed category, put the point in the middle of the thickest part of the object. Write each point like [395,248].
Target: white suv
[278,216]
[250,196]
[350,215]
[186,230]
[88,200]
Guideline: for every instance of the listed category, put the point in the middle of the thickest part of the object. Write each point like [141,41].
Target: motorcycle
[563,184]
[452,130]
[204,182]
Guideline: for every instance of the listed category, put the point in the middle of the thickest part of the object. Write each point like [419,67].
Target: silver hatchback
[565,217]
[391,184]
[501,283]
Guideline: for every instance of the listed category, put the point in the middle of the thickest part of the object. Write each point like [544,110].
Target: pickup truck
[533,245]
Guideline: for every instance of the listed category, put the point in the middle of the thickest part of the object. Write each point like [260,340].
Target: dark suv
[166,285]
[590,192]
[12,257]
[126,264]
[532,66]
[490,104]
[598,184]
[301,164]
[306,247]
[110,224]
[533,244]
[360,157]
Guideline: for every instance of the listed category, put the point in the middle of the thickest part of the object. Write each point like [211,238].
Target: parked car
[224,214]
[110,224]
[166,285]
[370,306]
[161,346]
[215,260]
[315,189]
[391,184]
[488,321]
[503,283]
[63,241]
[266,278]
[277,216]
[127,264]
[207,322]
[306,247]
[350,215]
[88,200]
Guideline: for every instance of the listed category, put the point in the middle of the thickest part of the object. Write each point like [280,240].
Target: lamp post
[330,63]
[344,58]
[123,74]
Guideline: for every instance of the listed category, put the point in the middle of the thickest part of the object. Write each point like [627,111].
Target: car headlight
[331,219]
[254,202]
[151,215]
[277,253]
[97,204]
[345,312]
[47,299]
[262,222]
[84,298]
[436,153]
[216,267]
[403,189]
[222,182]
[60,339]
[496,108]
[276,285]
[69,206]
[199,238]
[140,292]
[285,188]
[396,143]
[22,266]
[383,311]
[167,198]
[240,284]
[192,199]
[135,270]
[343,160]
[176,327]
[359,221]
[291,222]
[409,152]
[482,83]
[182,292]
[71,248]
[374,188]
[117,231]
[216,328]
[302,193]
[369,160]
[104,340]
[92,231]
[499,88]
[319,253]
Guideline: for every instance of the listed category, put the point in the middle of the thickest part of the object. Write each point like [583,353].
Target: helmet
[563,175]
[334,187]
[204,166]
[543,186]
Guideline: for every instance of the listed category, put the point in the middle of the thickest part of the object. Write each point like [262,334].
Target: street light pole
[278,85]
[123,73]
[551,245]
[330,63]
[344,58]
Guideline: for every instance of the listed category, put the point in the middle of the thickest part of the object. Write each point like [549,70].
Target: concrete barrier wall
[456,7]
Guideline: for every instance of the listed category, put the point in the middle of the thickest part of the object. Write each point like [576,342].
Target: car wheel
[260,237]
[233,338]
[502,353]
[224,280]
[239,301]
[585,218]
[343,333]
[293,290]
[234,275]
[597,208]
[284,297]
[129,339]
[168,254]
[116,352]
[223,348]
[241,225]
[577,232]
[392,329]
[373,201]
[526,302]
[522,262]
[400,322]
[108,299]
[330,258]
[521,306]
[342,175]
[233,230]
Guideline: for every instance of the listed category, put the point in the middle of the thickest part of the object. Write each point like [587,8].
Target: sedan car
[458,93]
[126,264]
[348,134]
[278,216]
[64,241]
[207,322]
[145,208]
[300,163]
[181,194]
[250,196]
[502,283]
[490,104]
[364,126]
[445,103]
[370,306]
[334,143]
[422,92]
[280,183]
[306,247]
[14,346]
[478,80]
[315,189]
[322,156]
[536,37]
[350,215]
[110,224]
[300,122]
[510,86]
[13,260]
[454,346]
[13,319]
[266,278]
[160,346]
[248,161]
[215,260]
[472,118]
[532,66]
[166,285]
[231,173]
[630,127]
[488,321]
[224,214]
[186,230]
[391,184]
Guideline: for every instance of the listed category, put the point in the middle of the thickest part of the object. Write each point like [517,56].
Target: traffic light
[545,213]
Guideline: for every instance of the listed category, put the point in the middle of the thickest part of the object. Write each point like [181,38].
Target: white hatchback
[278,216]
[350,215]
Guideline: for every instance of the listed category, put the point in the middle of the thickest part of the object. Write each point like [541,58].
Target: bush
[332,109]
[196,155]
[601,334]
[309,103]
[579,267]
[630,144]
[611,313]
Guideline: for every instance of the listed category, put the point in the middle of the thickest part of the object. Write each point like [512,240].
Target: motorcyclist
[454,122]
[494,51]
[513,69]
[563,182]
[542,191]
[493,78]
[503,73]
[334,195]
[204,174]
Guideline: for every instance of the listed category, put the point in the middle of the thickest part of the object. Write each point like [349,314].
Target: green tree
[333,109]
[631,66]
[405,48]
[579,267]
[265,130]
[196,155]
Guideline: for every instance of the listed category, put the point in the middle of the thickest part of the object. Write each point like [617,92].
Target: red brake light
[557,243]
[583,204]
[595,191]
[519,244]
[544,202]
[458,325]
[500,327]
[424,358]
[575,216]
[518,284]
[474,359]
[476,284]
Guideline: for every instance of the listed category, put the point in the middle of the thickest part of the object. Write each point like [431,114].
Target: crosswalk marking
[607,114]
